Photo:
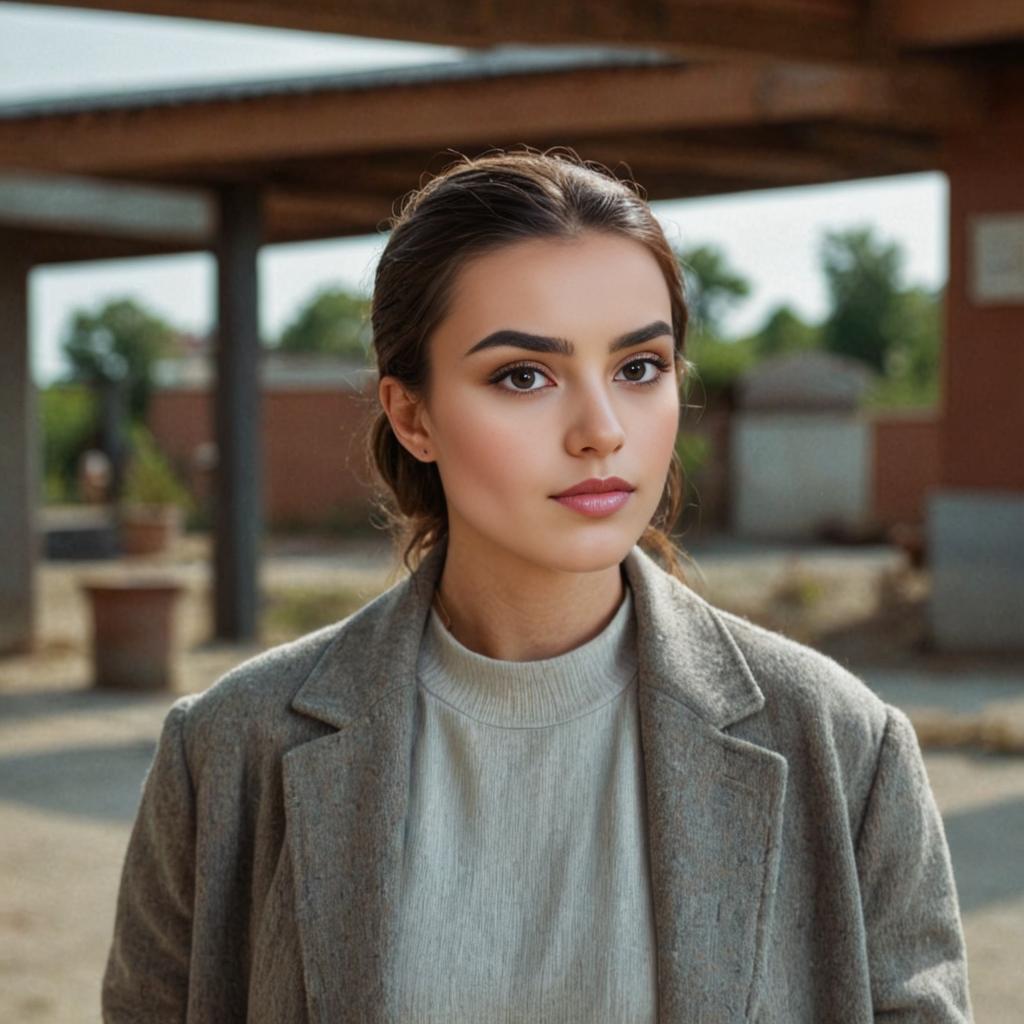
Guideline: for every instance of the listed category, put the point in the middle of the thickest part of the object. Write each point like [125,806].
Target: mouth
[596,498]
[597,486]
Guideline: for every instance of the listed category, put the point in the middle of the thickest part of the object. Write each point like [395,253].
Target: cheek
[491,456]
[668,425]
[652,428]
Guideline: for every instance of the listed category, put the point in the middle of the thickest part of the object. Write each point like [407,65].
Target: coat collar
[713,802]
[685,649]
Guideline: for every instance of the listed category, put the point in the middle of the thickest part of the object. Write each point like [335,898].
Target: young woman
[539,778]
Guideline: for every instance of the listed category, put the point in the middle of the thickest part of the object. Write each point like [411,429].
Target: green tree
[120,341]
[918,329]
[784,330]
[713,288]
[863,278]
[334,321]
[718,365]
[914,359]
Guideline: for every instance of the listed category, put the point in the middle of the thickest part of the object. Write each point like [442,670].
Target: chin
[590,550]
[558,543]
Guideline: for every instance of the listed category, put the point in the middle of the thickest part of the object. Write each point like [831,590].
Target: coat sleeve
[147,971]
[915,940]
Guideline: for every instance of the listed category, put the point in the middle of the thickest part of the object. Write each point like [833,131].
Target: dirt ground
[73,757]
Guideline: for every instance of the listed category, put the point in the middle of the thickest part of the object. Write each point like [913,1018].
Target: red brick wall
[905,465]
[984,353]
[314,454]
[313,466]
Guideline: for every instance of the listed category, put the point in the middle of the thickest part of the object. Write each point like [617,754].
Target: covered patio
[706,100]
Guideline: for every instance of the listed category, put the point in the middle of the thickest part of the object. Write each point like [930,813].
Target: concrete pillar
[19,459]
[976,516]
[239,496]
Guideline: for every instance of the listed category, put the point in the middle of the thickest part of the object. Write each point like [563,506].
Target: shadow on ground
[101,782]
[55,702]
[987,873]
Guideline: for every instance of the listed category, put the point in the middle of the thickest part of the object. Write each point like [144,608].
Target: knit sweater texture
[526,891]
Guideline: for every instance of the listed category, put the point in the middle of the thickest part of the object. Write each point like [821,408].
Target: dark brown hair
[475,206]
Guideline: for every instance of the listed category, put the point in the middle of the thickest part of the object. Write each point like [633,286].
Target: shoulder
[810,699]
[255,694]
[251,704]
[758,672]
[799,675]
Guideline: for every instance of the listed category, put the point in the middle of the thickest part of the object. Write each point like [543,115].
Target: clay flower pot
[133,631]
[148,529]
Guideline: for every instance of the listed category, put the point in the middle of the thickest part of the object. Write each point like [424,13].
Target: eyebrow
[563,347]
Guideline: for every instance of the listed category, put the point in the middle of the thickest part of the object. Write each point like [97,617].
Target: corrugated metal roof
[495,62]
[814,379]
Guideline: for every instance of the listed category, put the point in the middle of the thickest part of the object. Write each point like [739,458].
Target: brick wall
[905,465]
[313,465]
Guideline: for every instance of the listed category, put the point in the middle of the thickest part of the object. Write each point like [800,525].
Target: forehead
[596,285]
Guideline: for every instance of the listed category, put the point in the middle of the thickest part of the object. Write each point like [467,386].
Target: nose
[595,428]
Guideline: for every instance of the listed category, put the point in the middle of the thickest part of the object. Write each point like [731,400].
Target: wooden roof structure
[686,97]
[818,29]
[690,99]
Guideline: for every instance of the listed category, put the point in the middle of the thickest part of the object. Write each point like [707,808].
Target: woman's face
[512,422]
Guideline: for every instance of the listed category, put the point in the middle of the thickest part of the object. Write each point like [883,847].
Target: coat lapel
[714,802]
[346,795]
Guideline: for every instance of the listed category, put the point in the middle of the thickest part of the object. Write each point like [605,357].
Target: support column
[239,497]
[19,461]
[976,515]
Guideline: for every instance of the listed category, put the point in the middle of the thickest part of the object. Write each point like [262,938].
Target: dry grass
[291,611]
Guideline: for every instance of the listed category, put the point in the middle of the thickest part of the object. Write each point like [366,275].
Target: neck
[524,615]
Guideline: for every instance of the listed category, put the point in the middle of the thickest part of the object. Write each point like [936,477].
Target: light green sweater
[526,893]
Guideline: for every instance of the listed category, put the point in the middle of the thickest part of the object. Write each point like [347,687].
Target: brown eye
[519,379]
[641,363]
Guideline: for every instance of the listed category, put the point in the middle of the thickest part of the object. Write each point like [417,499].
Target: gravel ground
[73,758]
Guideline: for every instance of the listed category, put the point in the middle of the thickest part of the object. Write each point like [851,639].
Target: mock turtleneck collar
[530,693]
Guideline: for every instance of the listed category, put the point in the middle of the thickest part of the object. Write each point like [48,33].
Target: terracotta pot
[133,632]
[148,529]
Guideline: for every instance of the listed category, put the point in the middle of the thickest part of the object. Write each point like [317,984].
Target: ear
[407,415]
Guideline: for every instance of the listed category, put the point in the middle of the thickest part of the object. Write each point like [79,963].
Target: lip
[597,486]
[596,498]
[595,504]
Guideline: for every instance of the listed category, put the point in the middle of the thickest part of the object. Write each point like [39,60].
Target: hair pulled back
[473,207]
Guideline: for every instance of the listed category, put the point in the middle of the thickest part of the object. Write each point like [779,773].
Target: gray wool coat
[798,863]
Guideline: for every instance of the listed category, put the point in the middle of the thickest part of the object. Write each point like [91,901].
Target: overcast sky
[772,237]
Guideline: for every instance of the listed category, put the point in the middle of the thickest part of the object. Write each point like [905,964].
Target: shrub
[150,479]
[68,418]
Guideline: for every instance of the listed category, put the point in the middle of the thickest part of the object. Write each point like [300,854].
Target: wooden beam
[805,29]
[870,151]
[42,247]
[185,138]
[771,165]
[316,213]
[379,174]
[950,23]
